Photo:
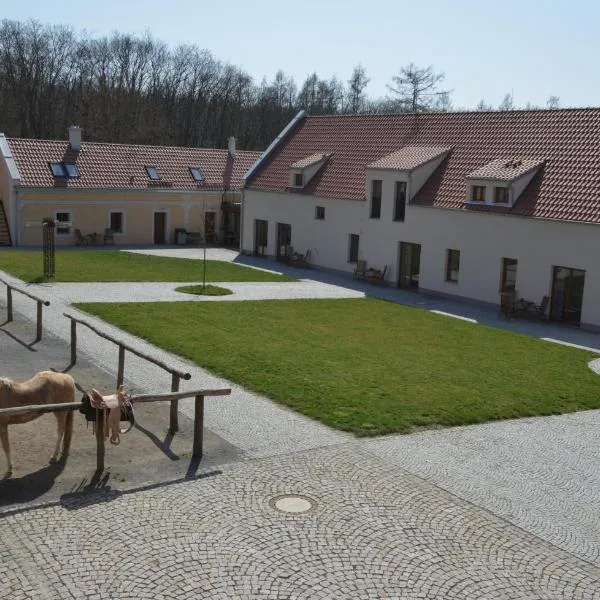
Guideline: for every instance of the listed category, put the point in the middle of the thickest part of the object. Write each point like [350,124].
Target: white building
[464,205]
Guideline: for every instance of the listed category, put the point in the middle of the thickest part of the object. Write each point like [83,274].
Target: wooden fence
[199,395]
[176,374]
[9,306]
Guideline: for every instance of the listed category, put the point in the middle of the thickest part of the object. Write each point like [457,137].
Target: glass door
[261,229]
[567,295]
[410,265]
[284,240]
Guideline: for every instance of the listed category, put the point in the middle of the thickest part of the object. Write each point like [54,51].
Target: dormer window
[501,195]
[478,193]
[58,169]
[197,174]
[303,170]
[153,173]
[298,179]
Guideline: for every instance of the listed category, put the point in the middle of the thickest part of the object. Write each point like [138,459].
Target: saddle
[115,409]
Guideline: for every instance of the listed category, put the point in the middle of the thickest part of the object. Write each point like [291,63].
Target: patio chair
[542,307]
[379,278]
[109,236]
[360,272]
[80,240]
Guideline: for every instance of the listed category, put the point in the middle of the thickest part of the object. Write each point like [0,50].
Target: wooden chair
[360,272]
[80,240]
[542,307]
[109,236]
[379,278]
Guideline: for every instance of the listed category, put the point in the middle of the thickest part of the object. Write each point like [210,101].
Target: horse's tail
[68,433]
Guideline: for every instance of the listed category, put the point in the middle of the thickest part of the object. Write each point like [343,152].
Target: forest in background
[136,89]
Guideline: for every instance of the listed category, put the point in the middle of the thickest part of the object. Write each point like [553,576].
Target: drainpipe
[242,206]
[15,216]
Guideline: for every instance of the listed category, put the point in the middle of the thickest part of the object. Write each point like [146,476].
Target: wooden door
[410,265]
[160,227]
[261,230]
[567,295]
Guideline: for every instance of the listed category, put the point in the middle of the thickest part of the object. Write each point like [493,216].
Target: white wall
[482,238]
[326,239]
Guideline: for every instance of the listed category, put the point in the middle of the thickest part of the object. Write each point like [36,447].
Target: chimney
[75,137]
[231,146]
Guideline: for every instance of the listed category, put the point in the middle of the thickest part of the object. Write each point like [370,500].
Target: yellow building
[119,193]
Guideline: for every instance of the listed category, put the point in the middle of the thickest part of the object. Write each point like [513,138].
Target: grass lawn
[204,290]
[368,366]
[92,265]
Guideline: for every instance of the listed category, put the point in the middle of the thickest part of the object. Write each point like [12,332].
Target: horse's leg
[6,448]
[60,429]
[68,434]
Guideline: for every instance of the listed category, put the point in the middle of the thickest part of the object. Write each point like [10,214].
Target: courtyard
[503,509]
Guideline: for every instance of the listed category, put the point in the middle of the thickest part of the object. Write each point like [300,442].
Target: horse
[45,387]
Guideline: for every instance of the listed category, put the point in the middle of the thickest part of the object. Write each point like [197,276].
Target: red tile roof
[566,187]
[122,166]
[507,170]
[409,158]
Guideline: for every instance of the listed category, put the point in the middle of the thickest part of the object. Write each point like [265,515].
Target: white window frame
[123,221]
[70,220]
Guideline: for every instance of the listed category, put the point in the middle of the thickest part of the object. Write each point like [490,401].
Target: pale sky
[486,48]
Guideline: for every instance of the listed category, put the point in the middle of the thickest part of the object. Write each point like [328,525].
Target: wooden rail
[176,374]
[199,395]
[9,306]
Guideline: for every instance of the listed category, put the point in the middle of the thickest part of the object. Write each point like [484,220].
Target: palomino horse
[46,387]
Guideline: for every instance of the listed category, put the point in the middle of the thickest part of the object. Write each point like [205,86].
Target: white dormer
[303,170]
[502,181]
[412,164]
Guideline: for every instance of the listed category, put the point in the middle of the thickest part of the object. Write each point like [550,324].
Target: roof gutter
[273,146]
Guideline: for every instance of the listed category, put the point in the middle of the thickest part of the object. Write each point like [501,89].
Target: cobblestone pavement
[541,474]
[374,532]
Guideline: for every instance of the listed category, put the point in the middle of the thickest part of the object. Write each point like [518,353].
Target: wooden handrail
[9,306]
[122,344]
[17,289]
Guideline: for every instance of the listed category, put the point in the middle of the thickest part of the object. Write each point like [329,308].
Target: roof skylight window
[58,169]
[153,173]
[197,174]
[71,169]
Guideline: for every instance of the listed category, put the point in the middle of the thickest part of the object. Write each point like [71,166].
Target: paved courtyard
[501,510]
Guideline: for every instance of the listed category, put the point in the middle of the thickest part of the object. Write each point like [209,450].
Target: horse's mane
[7,383]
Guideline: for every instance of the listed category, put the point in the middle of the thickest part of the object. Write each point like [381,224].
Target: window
[197,174]
[400,201]
[320,212]
[478,193]
[353,248]
[153,173]
[71,169]
[508,281]
[376,199]
[501,195]
[63,217]
[58,169]
[117,221]
[298,179]
[452,265]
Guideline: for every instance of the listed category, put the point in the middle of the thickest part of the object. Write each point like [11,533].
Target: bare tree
[356,87]
[417,89]
[553,102]
[482,106]
[507,103]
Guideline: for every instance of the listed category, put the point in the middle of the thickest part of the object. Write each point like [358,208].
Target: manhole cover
[292,503]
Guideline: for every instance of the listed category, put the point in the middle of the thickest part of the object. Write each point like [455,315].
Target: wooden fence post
[38,336]
[173,414]
[121,368]
[73,342]
[100,442]
[198,427]
[9,303]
